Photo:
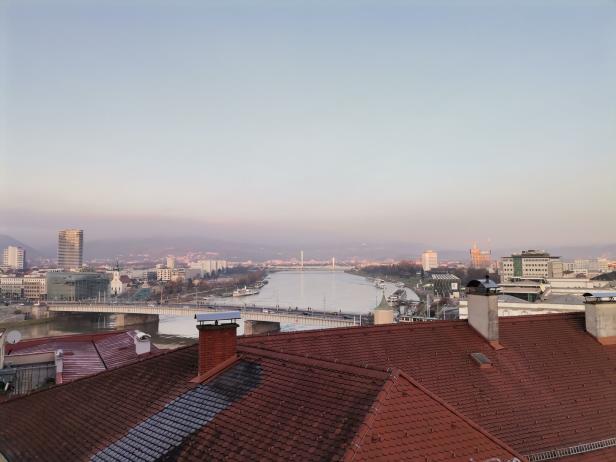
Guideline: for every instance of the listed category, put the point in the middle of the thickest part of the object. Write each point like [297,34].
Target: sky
[436,122]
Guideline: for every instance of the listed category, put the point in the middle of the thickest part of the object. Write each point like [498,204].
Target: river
[329,290]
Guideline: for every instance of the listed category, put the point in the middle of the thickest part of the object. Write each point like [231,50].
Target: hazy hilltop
[159,247]
[238,250]
[6,240]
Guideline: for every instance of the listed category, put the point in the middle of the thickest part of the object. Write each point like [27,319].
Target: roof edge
[370,417]
[470,422]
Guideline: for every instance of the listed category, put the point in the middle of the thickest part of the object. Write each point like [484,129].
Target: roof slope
[263,406]
[75,420]
[407,422]
[552,386]
[85,354]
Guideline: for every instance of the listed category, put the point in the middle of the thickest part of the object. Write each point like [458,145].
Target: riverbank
[409,282]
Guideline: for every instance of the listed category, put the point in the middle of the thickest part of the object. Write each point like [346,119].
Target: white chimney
[142,342]
[600,313]
[483,309]
[2,341]
[59,362]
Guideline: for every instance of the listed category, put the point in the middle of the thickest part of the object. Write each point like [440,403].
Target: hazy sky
[433,122]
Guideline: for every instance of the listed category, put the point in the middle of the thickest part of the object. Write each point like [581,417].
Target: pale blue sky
[436,122]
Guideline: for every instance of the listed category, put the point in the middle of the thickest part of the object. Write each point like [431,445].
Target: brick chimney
[217,339]
[483,309]
[600,312]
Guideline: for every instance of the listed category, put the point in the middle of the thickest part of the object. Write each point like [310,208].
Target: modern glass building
[76,286]
[70,248]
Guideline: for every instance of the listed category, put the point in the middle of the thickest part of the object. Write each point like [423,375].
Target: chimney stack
[483,309]
[59,362]
[142,342]
[217,341]
[600,313]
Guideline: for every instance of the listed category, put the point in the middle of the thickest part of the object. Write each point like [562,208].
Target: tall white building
[429,260]
[170,262]
[14,257]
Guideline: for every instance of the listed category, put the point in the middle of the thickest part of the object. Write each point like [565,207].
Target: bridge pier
[124,320]
[260,327]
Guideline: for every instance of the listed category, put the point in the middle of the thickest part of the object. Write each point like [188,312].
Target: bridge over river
[258,318]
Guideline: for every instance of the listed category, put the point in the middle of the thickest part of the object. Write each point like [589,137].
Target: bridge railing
[284,312]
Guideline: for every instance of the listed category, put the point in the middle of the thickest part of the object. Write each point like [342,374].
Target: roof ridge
[99,354]
[457,413]
[367,371]
[150,356]
[332,330]
[83,337]
[371,416]
[542,316]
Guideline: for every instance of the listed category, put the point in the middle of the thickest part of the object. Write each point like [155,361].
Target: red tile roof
[264,406]
[552,386]
[84,354]
[397,392]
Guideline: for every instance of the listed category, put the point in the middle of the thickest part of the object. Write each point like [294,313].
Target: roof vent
[481,359]
[600,315]
[142,342]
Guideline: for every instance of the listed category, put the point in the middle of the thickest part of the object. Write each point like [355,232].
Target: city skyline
[396,122]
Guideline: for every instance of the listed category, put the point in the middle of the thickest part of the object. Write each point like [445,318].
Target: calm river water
[332,290]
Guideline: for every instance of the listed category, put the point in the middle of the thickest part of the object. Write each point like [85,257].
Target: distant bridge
[309,268]
[248,313]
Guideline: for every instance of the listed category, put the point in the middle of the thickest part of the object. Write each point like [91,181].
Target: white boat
[379,283]
[400,284]
[245,291]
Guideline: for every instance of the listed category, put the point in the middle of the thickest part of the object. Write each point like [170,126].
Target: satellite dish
[13,336]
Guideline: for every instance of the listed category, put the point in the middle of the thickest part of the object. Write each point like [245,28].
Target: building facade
[35,287]
[12,286]
[14,257]
[531,264]
[429,260]
[480,258]
[70,249]
[117,286]
[210,267]
[76,286]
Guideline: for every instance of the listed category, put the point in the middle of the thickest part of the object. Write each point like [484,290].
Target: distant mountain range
[159,247]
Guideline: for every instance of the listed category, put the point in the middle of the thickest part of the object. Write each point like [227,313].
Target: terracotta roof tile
[265,406]
[84,354]
[552,385]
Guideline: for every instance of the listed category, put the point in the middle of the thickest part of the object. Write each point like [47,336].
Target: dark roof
[263,406]
[552,386]
[383,306]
